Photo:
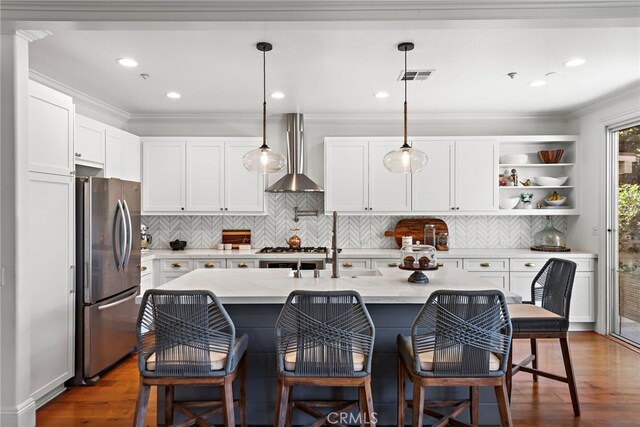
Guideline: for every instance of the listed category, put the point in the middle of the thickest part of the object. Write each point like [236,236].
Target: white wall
[591,125]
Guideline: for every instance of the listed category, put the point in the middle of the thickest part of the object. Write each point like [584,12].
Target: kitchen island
[254,298]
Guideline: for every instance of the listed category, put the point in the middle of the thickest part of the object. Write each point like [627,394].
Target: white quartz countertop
[360,253]
[260,286]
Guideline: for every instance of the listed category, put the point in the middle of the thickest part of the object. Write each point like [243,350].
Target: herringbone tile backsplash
[354,231]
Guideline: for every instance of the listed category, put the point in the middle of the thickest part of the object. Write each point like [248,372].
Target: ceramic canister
[407,240]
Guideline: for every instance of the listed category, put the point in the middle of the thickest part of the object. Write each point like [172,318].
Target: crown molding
[95,12]
[33,35]
[82,99]
[628,93]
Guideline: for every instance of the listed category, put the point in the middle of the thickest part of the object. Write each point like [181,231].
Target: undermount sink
[343,273]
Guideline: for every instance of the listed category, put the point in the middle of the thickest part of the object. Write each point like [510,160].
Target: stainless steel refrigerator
[108,273]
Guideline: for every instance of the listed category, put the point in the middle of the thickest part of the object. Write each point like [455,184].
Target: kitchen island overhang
[254,298]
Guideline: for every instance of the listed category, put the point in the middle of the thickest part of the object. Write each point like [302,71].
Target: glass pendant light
[405,159]
[263,159]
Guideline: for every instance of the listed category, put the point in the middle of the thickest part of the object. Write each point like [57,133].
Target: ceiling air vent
[415,75]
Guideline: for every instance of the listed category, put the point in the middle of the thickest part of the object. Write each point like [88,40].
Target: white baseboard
[24,415]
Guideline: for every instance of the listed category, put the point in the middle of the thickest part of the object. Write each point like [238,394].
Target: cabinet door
[163,176]
[346,177]
[432,187]
[388,192]
[51,116]
[89,142]
[51,284]
[131,158]
[497,278]
[582,298]
[520,283]
[244,190]
[114,153]
[205,176]
[475,176]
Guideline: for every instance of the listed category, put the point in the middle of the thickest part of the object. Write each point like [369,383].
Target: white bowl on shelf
[550,181]
[514,159]
[555,202]
[509,202]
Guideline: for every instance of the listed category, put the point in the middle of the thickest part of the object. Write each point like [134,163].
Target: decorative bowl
[550,181]
[555,202]
[514,158]
[509,202]
[178,245]
[550,156]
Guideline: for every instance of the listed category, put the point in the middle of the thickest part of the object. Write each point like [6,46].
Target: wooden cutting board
[236,237]
[414,227]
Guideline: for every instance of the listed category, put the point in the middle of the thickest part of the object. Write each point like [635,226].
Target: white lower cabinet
[385,263]
[449,263]
[146,276]
[523,271]
[242,263]
[495,270]
[353,263]
[209,263]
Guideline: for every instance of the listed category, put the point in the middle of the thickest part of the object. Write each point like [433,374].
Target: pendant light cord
[264,100]
[405,99]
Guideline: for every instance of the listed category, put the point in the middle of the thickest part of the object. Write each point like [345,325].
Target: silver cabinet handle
[530,264]
[485,264]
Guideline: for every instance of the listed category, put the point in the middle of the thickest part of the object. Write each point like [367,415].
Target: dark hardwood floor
[607,372]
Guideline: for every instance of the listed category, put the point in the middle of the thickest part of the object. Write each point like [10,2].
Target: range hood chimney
[295,181]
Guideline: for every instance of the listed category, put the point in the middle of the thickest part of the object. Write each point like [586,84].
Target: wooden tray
[549,249]
[414,227]
[236,237]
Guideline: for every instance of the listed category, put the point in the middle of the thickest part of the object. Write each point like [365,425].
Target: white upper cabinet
[122,155]
[432,187]
[200,175]
[89,142]
[51,118]
[356,180]
[163,176]
[475,176]
[244,190]
[205,176]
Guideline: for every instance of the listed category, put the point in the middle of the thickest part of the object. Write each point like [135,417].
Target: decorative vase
[526,205]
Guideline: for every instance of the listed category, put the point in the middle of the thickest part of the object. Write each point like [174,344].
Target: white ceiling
[337,70]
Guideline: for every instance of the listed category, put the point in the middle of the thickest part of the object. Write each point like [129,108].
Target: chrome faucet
[334,247]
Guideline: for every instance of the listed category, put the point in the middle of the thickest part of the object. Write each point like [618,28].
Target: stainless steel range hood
[295,181]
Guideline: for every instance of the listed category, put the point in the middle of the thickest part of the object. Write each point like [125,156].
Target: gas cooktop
[285,250]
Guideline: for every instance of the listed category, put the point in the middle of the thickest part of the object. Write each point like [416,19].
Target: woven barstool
[186,338]
[459,339]
[324,339]
[546,316]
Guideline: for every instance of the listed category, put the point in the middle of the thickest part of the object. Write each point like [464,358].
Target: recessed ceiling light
[381,95]
[173,95]
[537,83]
[127,62]
[575,62]
[277,95]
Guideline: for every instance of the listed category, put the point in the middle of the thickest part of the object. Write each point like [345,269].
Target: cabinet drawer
[209,263]
[169,276]
[385,263]
[175,265]
[354,263]
[146,268]
[450,263]
[242,263]
[486,264]
[535,264]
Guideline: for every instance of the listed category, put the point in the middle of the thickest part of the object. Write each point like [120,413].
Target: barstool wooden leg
[418,403]
[282,404]
[242,401]
[362,398]
[568,367]
[141,403]
[227,402]
[402,404]
[289,422]
[371,416]
[534,362]
[475,407]
[168,405]
[503,405]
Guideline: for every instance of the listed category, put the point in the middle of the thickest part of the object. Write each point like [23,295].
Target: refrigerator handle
[129,242]
[123,235]
[122,301]
[114,233]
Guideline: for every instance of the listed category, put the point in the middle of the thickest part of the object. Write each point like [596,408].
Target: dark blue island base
[258,320]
